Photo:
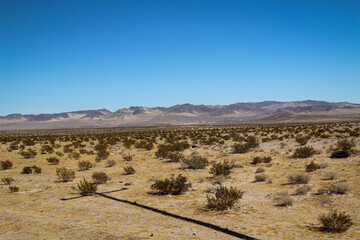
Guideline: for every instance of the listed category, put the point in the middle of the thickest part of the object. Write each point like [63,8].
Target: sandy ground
[37,211]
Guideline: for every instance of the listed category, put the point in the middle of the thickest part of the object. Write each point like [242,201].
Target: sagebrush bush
[129,170]
[85,165]
[100,177]
[257,160]
[302,190]
[14,189]
[338,188]
[284,199]
[7,180]
[36,169]
[110,163]
[335,222]
[345,144]
[175,157]
[86,187]
[311,167]
[222,168]
[65,174]
[299,178]
[173,185]
[6,164]
[196,162]
[26,170]
[224,198]
[302,140]
[53,160]
[261,177]
[304,152]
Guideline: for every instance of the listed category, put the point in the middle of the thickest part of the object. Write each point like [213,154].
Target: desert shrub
[86,188]
[127,158]
[223,168]
[110,163]
[102,155]
[30,153]
[36,169]
[224,198]
[260,177]
[14,189]
[284,199]
[164,149]
[259,170]
[311,167]
[304,152]
[65,174]
[252,142]
[338,188]
[26,170]
[99,177]
[53,160]
[257,160]
[85,165]
[302,140]
[47,148]
[335,221]
[74,155]
[302,190]
[240,148]
[7,180]
[331,175]
[173,185]
[174,156]
[345,145]
[196,162]
[6,164]
[60,154]
[299,178]
[129,170]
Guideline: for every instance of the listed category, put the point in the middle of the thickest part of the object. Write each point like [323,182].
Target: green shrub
[196,162]
[86,188]
[99,177]
[65,174]
[7,180]
[335,222]
[311,167]
[6,165]
[85,165]
[223,168]
[53,160]
[304,152]
[129,170]
[251,142]
[224,198]
[299,178]
[173,185]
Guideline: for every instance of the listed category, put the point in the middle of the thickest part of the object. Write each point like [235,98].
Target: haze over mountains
[187,114]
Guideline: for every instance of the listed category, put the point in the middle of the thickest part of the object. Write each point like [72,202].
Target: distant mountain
[187,114]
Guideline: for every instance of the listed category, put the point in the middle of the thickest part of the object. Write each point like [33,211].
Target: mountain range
[188,114]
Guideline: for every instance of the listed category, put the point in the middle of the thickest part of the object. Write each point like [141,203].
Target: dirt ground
[37,211]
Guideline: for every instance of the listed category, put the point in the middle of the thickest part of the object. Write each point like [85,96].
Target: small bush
[86,188]
[26,170]
[240,148]
[345,145]
[85,165]
[174,156]
[129,170]
[311,167]
[196,162]
[6,165]
[224,198]
[53,160]
[99,177]
[36,170]
[260,177]
[14,189]
[30,153]
[302,190]
[173,185]
[331,175]
[335,222]
[65,174]
[302,140]
[284,199]
[338,188]
[127,158]
[257,160]
[223,168]
[110,163]
[7,180]
[299,178]
[304,152]
[260,170]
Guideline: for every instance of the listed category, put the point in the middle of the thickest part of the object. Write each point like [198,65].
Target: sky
[66,55]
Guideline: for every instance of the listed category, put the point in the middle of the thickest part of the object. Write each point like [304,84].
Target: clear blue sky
[60,55]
